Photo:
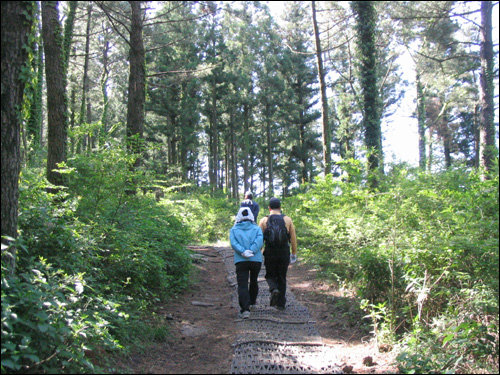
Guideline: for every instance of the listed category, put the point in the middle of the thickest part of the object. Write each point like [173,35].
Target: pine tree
[366,25]
[17,19]
[56,90]
[488,149]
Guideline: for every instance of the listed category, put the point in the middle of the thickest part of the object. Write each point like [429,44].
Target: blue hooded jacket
[246,235]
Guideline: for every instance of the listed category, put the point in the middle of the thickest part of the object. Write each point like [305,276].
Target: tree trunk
[269,151]
[227,147]
[302,148]
[136,84]
[68,34]
[72,117]
[430,143]
[86,82]
[214,139]
[246,146]
[84,142]
[68,38]
[35,117]
[17,18]
[477,138]
[447,144]
[366,40]
[234,158]
[327,136]
[488,148]
[104,83]
[56,91]
[421,124]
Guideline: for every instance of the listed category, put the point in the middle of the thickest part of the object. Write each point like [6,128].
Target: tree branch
[112,19]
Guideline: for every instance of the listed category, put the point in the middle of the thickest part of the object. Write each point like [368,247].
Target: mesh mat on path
[273,341]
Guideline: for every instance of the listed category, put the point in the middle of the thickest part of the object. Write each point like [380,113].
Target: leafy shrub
[125,251]
[48,322]
[425,247]
[209,217]
[145,251]
[450,348]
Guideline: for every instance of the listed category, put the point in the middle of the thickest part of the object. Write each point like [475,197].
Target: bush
[145,251]
[450,348]
[425,247]
[48,322]
[209,217]
[91,260]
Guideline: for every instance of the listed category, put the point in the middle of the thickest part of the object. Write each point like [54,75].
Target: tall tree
[34,122]
[214,48]
[68,34]
[174,86]
[242,26]
[327,137]
[442,42]
[86,107]
[488,148]
[366,25]
[136,83]
[105,75]
[421,119]
[339,58]
[17,19]
[56,90]
[299,72]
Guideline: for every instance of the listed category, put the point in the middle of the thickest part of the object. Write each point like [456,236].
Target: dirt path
[340,323]
[202,327]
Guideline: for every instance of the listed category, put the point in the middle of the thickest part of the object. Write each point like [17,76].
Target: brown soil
[202,327]
[340,323]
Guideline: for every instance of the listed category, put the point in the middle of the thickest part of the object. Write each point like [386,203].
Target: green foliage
[450,348]
[209,217]
[91,260]
[421,250]
[382,321]
[48,322]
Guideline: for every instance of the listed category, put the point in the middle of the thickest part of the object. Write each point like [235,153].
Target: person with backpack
[279,234]
[249,202]
[246,240]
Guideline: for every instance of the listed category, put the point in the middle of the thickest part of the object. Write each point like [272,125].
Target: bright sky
[400,131]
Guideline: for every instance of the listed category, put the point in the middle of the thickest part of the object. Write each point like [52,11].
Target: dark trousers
[276,269]
[247,295]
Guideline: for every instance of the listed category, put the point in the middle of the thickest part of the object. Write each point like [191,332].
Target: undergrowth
[91,260]
[422,254]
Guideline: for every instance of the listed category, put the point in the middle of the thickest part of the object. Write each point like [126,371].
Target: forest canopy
[229,97]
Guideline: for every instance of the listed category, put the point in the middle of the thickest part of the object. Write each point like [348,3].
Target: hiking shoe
[245,315]
[275,294]
[281,308]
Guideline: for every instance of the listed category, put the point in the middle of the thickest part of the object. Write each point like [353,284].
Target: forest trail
[315,334]
[277,342]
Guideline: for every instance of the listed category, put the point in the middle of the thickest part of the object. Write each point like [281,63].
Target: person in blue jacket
[254,206]
[246,240]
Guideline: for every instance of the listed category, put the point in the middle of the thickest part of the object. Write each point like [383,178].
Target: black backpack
[276,236]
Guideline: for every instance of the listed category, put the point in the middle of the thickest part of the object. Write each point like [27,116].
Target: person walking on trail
[246,240]
[249,202]
[279,234]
